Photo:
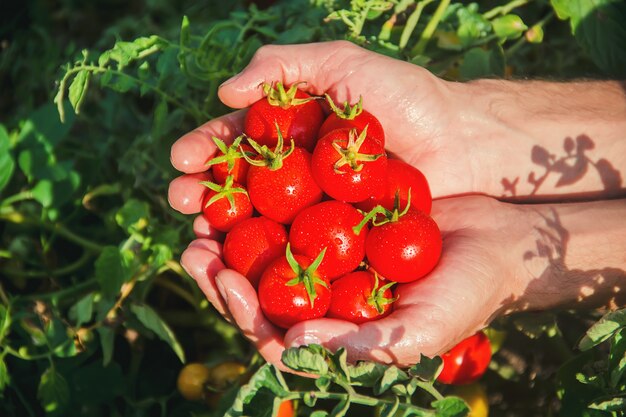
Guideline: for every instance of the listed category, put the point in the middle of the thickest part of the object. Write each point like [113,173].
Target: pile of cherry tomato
[321,220]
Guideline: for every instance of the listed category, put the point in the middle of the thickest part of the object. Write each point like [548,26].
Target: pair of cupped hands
[473,282]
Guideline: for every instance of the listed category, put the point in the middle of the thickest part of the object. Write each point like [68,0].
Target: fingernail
[221,289]
[230,80]
[305,340]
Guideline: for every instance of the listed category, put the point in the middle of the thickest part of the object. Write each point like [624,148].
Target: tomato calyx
[348,112]
[230,154]
[350,154]
[278,96]
[223,191]
[272,159]
[306,276]
[389,216]
[377,297]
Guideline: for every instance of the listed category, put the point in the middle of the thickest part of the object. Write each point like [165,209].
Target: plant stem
[90,284]
[412,22]
[505,8]
[68,269]
[21,196]
[430,29]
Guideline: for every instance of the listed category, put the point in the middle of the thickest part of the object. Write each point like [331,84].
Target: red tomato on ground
[328,225]
[358,297]
[252,245]
[280,193]
[226,205]
[297,114]
[230,161]
[348,165]
[405,249]
[400,178]
[292,290]
[352,117]
[467,361]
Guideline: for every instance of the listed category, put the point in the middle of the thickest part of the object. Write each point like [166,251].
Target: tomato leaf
[53,392]
[133,216]
[391,376]
[604,329]
[615,404]
[309,359]
[451,407]
[7,164]
[111,271]
[149,318]
[82,311]
[617,358]
[78,89]
[107,339]
[479,63]
[366,373]
[427,368]
[5,378]
[267,378]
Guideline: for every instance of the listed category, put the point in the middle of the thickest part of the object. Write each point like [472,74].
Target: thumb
[321,65]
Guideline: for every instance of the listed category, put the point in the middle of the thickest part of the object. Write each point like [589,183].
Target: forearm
[573,255]
[542,141]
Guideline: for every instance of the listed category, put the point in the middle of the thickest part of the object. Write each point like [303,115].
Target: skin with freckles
[497,257]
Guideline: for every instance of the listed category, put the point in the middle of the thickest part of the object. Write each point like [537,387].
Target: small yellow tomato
[475,396]
[191,381]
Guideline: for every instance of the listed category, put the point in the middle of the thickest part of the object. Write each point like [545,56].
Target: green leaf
[111,271]
[617,358]
[5,378]
[604,329]
[391,376]
[267,378]
[319,413]
[82,311]
[366,373]
[614,404]
[480,63]
[107,339]
[78,89]
[340,409]
[451,407]
[53,392]
[427,368]
[149,318]
[307,359]
[340,364]
[600,29]
[43,192]
[133,216]
[7,164]
[509,27]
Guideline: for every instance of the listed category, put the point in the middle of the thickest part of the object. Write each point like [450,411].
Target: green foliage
[96,313]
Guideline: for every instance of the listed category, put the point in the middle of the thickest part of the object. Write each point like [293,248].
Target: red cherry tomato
[359,297]
[328,225]
[297,114]
[284,293]
[226,205]
[252,245]
[280,194]
[349,165]
[467,361]
[231,162]
[405,249]
[352,117]
[400,178]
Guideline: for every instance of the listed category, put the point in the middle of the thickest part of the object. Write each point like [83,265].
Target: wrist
[537,140]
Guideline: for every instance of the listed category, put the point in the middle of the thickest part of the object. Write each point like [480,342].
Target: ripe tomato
[406,248]
[252,245]
[226,205]
[286,409]
[191,381]
[475,396]
[358,297]
[352,117]
[467,361]
[292,289]
[280,183]
[349,166]
[230,161]
[401,177]
[328,225]
[297,114]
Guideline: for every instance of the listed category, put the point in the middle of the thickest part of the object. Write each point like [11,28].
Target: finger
[185,193]
[321,65]
[203,229]
[192,151]
[244,306]
[202,261]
